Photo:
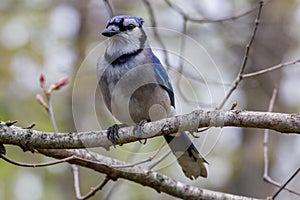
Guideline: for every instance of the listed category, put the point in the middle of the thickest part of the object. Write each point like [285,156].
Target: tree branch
[157,181]
[29,139]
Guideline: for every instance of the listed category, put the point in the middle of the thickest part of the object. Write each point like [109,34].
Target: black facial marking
[119,22]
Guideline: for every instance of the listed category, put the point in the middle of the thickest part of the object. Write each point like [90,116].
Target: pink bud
[42,80]
[40,99]
[62,82]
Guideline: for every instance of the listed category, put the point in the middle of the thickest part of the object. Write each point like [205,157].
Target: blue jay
[136,88]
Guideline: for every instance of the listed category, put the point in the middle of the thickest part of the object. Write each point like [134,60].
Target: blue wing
[191,162]
[163,79]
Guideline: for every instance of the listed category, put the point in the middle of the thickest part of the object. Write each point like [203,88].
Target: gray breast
[131,92]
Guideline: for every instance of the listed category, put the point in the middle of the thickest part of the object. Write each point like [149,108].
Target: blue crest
[120,18]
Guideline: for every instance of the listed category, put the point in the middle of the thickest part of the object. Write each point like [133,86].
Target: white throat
[125,44]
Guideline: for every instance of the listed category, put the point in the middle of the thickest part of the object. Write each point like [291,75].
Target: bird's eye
[130,26]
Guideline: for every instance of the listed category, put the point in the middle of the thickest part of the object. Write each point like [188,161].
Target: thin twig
[206,20]
[287,182]
[245,59]
[266,133]
[273,98]
[97,188]
[269,69]
[92,191]
[75,172]
[51,114]
[244,62]
[266,176]
[276,184]
[159,160]
[143,161]
[38,164]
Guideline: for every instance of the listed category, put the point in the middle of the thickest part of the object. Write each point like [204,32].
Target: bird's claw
[138,130]
[113,133]
[2,149]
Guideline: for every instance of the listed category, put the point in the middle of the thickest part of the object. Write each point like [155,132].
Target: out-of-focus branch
[149,159]
[269,69]
[93,190]
[206,20]
[19,164]
[157,181]
[286,183]
[32,139]
[239,77]
[266,176]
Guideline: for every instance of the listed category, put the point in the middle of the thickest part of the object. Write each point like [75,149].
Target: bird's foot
[2,149]
[113,133]
[138,130]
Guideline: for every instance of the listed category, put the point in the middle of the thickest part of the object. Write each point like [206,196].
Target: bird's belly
[149,102]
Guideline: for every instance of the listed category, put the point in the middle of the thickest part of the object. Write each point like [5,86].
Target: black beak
[108,32]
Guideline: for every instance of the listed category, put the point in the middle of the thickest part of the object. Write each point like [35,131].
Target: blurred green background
[62,39]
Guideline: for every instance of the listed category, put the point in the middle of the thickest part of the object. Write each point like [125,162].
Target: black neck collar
[125,57]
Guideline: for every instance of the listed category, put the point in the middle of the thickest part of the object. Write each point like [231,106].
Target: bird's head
[126,33]
[123,25]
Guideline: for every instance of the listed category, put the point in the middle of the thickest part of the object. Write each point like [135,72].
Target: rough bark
[32,139]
